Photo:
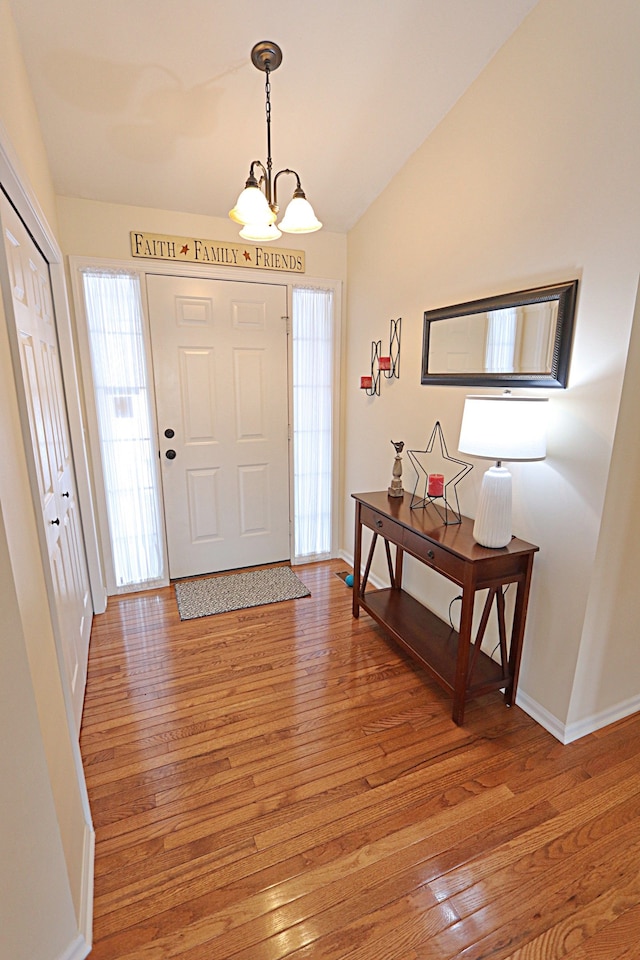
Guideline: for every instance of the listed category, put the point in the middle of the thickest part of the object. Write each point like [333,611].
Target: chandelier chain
[267,89]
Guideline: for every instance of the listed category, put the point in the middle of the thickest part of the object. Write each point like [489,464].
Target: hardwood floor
[283,782]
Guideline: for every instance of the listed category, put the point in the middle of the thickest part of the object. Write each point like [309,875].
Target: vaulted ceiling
[156,102]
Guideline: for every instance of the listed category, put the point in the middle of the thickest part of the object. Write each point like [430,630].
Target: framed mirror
[514,339]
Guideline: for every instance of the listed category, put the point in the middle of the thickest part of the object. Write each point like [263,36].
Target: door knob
[55,521]
[169,433]
[66,494]
[170,454]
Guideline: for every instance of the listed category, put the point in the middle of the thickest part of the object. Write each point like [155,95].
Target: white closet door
[44,397]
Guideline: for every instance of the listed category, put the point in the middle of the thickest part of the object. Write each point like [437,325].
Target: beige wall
[18,116]
[36,912]
[45,827]
[92,229]
[531,179]
[607,672]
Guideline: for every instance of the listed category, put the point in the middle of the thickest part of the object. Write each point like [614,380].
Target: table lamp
[501,428]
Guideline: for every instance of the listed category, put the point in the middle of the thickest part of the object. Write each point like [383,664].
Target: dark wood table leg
[357,559]
[517,631]
[399,558]
[387,549]
[464,644]
[502,633]
[477,643]
[363,585]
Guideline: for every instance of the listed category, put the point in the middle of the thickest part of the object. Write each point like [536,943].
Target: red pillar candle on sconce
[436,485]
[384,363]
[366,383]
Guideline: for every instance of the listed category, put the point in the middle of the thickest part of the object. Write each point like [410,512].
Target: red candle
[384,363]
[436,484]
[366,383]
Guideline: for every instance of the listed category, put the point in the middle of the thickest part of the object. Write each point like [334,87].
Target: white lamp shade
[299,217]
[260,232]
[252,207]
[504,427]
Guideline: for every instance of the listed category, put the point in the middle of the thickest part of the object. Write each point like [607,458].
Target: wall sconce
[371,383]
[390,366]
[387,366]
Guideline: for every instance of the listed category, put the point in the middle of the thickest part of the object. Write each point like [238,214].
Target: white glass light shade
[252,207]
[299,217]
[504,427]
[260,232]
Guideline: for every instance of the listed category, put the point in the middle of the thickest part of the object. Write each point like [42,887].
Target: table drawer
[434,555]
[386,527]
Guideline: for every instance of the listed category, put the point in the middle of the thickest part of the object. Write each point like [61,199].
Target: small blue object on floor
[349,580]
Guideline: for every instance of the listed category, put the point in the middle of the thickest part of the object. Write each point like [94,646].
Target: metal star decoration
[442,504]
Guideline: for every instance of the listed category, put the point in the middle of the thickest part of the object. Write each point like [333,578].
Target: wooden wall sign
[219,253]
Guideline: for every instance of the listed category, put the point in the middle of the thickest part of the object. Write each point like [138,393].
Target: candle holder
[371,383]
[390,365]
[436,489]
[387,366]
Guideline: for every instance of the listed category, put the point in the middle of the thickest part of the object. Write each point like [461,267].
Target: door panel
[220,369]
[204,504]
[46,411]
[197,375]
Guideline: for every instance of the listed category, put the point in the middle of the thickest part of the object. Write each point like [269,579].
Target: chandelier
[257,206]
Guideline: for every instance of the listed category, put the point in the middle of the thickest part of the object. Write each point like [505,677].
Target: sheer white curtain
[313,331]
[127,447]
[500,350]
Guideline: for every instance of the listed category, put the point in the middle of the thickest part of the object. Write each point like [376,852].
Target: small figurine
[395,490]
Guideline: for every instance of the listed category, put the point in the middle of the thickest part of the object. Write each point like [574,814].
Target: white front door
[220,368]
[46,408]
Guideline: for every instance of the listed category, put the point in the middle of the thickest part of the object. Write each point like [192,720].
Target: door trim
[188,270]
[14,182]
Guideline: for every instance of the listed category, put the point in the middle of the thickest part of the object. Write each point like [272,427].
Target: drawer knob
[378,523]
[430,554]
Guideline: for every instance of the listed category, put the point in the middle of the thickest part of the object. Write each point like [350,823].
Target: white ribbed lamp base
[493,518]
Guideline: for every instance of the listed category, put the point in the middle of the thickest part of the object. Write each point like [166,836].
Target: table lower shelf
[429,640]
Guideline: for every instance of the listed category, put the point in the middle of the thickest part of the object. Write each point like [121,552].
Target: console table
[451,657]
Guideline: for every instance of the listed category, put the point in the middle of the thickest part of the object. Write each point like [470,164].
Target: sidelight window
[313,416]
[128,451]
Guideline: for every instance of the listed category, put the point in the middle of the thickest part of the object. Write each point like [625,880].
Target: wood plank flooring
[284,782]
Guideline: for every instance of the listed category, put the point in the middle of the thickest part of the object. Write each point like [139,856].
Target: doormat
[203,598]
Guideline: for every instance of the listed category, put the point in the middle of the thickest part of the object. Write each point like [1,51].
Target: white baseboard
[77,950]
[567,733]
[80,947]
[581,728]
[85,920]
[541,715]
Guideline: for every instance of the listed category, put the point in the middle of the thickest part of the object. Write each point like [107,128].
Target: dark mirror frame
[566,296]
